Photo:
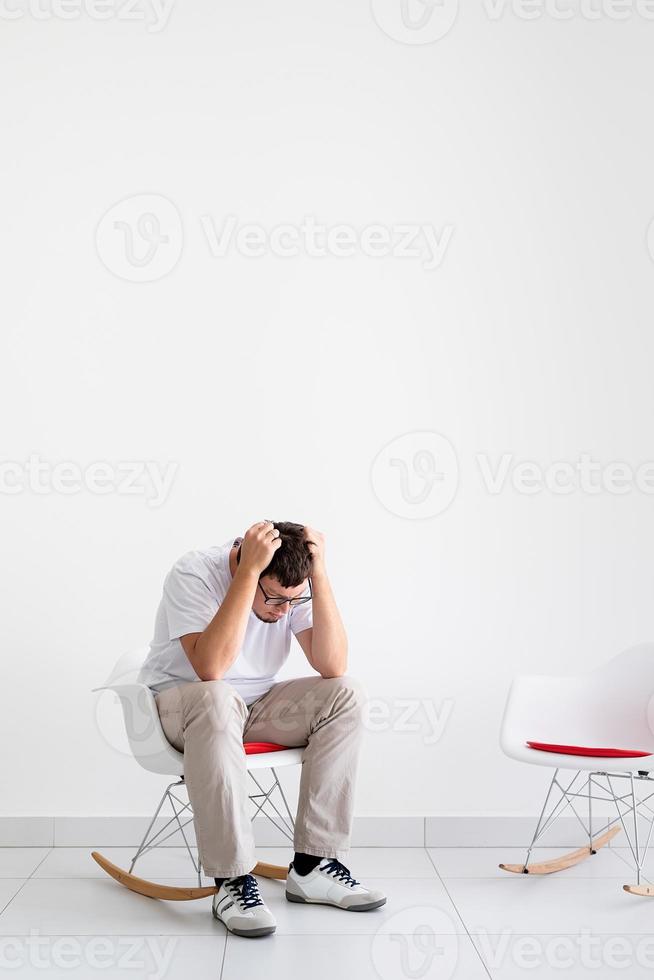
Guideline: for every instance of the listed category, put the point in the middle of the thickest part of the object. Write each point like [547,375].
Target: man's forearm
[328,639]
[217,647]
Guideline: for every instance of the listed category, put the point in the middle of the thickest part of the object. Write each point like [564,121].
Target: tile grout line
[455,907]
[222,962]
[31,875]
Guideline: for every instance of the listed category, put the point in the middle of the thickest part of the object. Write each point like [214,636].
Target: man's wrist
[318,570]
[247,572]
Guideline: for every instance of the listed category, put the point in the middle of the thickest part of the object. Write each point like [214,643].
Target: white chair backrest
[149,745]
[610,706]
[626,687]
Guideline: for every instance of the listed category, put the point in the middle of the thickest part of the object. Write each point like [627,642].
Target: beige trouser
[209,721]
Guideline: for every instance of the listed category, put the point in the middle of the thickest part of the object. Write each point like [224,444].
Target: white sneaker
[239,906]
[330,883]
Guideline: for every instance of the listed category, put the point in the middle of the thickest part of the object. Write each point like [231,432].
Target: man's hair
[291,564]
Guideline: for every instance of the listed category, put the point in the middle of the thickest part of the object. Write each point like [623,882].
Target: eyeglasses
[276,600]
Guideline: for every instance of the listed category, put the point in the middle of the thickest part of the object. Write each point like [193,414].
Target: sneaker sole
[352,908]
[246,933]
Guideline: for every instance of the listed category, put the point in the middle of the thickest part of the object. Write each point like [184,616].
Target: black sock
[304,863]
[219,881]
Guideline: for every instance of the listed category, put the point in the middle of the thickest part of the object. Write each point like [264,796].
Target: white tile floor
[451,913]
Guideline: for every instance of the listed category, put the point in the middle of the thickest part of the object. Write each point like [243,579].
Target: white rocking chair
[153,752]
[599,725]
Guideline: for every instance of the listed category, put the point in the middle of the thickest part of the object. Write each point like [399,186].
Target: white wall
[274,382]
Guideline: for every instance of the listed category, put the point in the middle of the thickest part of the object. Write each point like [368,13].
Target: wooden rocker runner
[172,893]
[563,862]
[591,711]
[153,752]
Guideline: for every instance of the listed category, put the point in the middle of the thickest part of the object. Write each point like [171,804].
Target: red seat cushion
[253,748]
[582,750]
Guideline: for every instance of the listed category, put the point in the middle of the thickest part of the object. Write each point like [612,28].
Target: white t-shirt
[192,593]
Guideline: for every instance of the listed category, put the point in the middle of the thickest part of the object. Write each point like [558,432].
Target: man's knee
[352,685]
[219,704]
[346,689]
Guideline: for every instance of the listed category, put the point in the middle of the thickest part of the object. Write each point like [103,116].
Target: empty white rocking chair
[600,727]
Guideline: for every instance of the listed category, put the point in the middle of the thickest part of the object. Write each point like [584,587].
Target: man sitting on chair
[222,631]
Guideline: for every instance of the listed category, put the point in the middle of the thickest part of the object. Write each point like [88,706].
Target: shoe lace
[245,890]
[340,872]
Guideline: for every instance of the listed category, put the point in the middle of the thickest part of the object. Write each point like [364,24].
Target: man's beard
[269,621]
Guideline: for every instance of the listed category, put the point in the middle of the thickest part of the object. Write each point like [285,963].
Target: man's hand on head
[316,542]
[260,543]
